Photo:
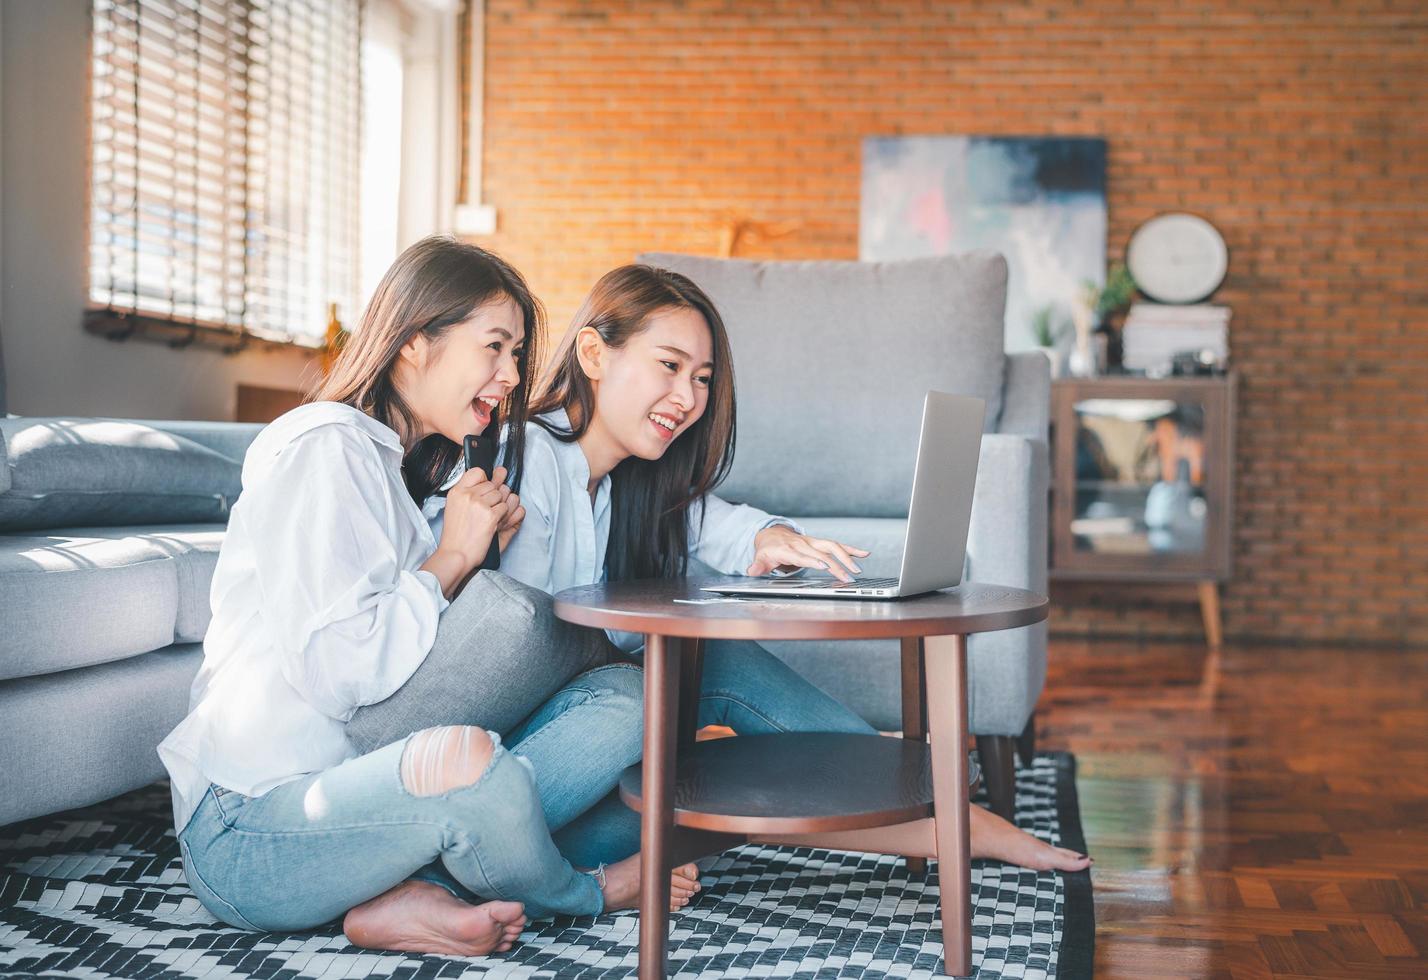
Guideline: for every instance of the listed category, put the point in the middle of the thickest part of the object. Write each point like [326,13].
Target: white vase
[1082,362]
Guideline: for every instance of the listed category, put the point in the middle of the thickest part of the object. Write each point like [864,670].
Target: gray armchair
[832,360]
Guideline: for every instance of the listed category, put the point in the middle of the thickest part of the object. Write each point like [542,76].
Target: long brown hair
[432,286]
[649,500]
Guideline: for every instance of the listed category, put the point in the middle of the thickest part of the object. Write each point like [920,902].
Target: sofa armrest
[1007,541]
[1026,399]
[1007,546]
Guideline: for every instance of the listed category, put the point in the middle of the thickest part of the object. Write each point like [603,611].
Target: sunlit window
[226,166]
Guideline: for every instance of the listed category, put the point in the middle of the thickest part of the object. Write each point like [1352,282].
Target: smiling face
[454,383]
[650,391]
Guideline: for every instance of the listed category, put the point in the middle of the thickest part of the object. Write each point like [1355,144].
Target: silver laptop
[935,547]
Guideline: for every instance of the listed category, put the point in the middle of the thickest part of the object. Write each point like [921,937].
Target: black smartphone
[481,455]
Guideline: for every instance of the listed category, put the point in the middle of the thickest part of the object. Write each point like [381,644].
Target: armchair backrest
[831,362]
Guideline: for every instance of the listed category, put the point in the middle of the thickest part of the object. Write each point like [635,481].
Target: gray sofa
[100,626]
[832,360]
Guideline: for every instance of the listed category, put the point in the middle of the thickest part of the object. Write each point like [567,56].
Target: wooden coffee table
[851,792]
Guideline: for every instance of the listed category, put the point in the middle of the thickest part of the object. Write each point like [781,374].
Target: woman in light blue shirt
[631,430]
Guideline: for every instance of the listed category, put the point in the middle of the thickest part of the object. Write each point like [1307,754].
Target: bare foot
[993,837]
[622,885]
[420,917]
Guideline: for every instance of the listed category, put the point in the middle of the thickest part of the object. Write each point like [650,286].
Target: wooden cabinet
[1143,484]
[259,404]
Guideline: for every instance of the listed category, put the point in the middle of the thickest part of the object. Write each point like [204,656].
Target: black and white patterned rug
[99,893]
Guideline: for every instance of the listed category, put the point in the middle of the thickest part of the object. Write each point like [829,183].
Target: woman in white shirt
[632,429]
[331,595]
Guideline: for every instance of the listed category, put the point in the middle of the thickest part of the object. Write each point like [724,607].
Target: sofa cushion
[81,596]
[98,472]
[832,360]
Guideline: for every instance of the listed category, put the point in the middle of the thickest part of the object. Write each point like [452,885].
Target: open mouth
[484,406]
[664,425]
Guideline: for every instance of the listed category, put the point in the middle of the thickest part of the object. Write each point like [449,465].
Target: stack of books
[1155,332]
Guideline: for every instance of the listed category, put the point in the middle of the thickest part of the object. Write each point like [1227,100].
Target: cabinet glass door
[1140,477]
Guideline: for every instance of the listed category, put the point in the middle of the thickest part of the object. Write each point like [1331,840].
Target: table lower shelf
[796,783]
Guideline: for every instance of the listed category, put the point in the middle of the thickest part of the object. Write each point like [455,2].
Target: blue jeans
[499,653]
[307,851]
[748,689]
[743,687]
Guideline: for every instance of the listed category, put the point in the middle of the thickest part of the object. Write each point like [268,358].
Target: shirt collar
[576,463]
[383,435]
[289,426]
[314,414]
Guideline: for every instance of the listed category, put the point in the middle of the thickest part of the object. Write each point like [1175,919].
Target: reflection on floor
[1259,814]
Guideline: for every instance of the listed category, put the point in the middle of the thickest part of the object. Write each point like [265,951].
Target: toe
[507,913]
[1064,860]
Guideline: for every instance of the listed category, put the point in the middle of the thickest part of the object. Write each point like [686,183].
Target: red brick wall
[1297,128]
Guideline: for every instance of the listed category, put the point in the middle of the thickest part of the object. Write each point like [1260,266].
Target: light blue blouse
[563,540]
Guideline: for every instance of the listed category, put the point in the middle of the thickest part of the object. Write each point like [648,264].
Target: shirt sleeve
[721,534]
[530,556]
[351,621]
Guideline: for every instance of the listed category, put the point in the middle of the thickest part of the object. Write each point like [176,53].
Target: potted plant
[1103,303]
[1047,332]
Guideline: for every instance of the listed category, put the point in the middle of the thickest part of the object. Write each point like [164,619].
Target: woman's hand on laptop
[781,548]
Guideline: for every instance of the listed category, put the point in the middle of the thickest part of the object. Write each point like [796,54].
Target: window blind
[224,168]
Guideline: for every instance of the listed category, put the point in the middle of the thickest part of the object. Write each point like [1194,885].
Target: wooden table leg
[657,815]
[914,711]
[946,665]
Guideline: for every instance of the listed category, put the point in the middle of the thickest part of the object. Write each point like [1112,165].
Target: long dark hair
[432,286]
[649,500]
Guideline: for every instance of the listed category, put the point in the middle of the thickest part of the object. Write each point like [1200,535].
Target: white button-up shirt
[563,540]
[318,606]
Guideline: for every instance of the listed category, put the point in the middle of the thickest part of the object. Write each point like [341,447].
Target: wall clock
[1177,258]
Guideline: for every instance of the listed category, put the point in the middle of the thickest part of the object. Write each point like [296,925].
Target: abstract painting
[1040,201]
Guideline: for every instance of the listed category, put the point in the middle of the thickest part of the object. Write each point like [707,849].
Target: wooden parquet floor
[1260,814]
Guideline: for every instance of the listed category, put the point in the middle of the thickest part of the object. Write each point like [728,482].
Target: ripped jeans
[304,853]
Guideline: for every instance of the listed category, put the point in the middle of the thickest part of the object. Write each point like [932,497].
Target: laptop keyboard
[862,583]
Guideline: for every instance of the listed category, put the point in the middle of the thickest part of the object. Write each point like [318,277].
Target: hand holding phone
[480,452]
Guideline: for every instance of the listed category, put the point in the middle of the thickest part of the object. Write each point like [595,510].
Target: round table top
[650,606]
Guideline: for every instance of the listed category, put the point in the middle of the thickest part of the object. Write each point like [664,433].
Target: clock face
[1177,258]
